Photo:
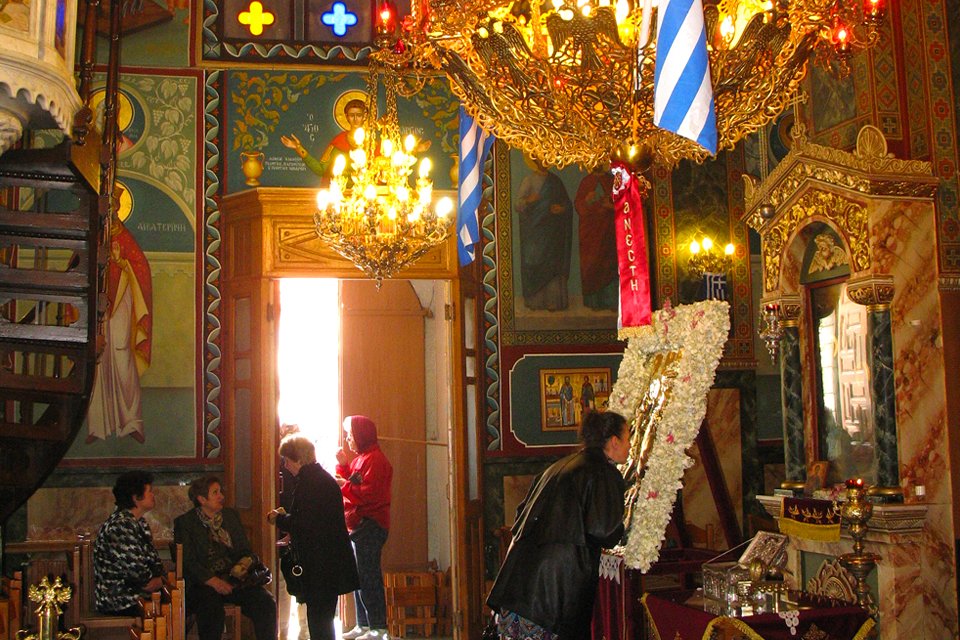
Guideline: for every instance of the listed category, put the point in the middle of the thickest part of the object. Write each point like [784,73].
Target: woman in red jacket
[365,484]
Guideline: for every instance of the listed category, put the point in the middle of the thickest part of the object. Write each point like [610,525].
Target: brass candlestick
[856,512]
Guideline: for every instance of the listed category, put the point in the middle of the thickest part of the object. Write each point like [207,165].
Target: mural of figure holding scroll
[350,112]
[115,404]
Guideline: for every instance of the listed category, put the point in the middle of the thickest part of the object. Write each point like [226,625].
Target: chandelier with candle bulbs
[704,259]
[376,213]
[571,81]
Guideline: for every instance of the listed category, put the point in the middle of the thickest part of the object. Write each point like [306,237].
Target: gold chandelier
[704,259]
[372,214]
[571,81]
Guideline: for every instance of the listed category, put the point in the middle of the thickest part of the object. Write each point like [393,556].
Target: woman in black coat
[318,533]
[548,581]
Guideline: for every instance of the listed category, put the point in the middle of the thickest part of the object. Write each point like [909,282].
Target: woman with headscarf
[547,584]
[214,543]
[319,536]
[365,484]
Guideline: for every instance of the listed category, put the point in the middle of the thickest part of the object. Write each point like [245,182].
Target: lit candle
[841,38]
[323,200]
[873,8]
[444,207]
[339,165]
[855,483]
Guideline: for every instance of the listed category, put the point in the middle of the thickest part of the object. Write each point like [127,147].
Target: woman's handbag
[250,572]
[292,569]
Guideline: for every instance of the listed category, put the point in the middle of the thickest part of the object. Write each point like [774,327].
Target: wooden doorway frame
[269,233]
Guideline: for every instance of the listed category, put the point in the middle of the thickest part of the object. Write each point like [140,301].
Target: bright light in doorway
[308,362]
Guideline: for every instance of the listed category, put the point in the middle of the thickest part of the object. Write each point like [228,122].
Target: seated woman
[126,565]
[213,542]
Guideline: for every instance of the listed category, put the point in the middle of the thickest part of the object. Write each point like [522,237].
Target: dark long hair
[600,426]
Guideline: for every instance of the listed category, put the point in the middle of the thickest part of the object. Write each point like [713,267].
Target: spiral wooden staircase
[55,207]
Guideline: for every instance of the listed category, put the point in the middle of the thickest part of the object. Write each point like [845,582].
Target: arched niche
[857,199]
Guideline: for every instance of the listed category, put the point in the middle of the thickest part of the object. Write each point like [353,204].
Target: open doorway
[345,347]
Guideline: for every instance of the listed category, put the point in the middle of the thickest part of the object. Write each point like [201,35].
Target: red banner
[631,248]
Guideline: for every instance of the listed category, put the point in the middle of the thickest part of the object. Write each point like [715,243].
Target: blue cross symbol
[339,18]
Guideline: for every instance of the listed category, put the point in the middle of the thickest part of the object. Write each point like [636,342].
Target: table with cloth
[617,612]
[678,616]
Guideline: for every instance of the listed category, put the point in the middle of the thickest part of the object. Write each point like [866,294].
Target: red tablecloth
[618,613]
[617,603]
[676,621]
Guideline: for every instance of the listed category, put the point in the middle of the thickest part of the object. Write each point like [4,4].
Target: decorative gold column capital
[788,306]
[874,292]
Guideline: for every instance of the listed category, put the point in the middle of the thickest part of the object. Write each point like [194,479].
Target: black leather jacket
[550,574]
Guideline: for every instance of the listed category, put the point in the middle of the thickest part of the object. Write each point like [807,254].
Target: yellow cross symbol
[256,17]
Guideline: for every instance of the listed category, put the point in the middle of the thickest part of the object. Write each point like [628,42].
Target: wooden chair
[444,604]
[143,630]
[412,602]
[11,605]
[178,610]
[97,624]
[233,617]
[158,613]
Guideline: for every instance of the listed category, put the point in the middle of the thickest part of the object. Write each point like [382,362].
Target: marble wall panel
[62,513]
[699,509]
[899,576]
[938,605]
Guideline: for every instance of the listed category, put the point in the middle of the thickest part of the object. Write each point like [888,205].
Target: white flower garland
[698,331]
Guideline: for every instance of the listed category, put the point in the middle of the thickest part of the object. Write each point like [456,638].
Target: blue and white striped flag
[683,94]
[475,143]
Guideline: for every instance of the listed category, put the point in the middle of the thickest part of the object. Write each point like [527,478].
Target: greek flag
[682,93]
[715,286]
[474,145]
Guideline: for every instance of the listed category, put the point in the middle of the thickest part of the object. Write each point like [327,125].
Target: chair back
[82,560]
[143,630]
[11,604]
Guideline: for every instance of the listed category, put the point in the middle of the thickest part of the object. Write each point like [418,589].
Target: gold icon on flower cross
[256,18]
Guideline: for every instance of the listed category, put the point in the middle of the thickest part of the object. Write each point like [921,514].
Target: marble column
[876,293]
[792,397]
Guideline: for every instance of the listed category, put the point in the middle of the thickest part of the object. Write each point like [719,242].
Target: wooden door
[382,377]
[248,430]
[269,233]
